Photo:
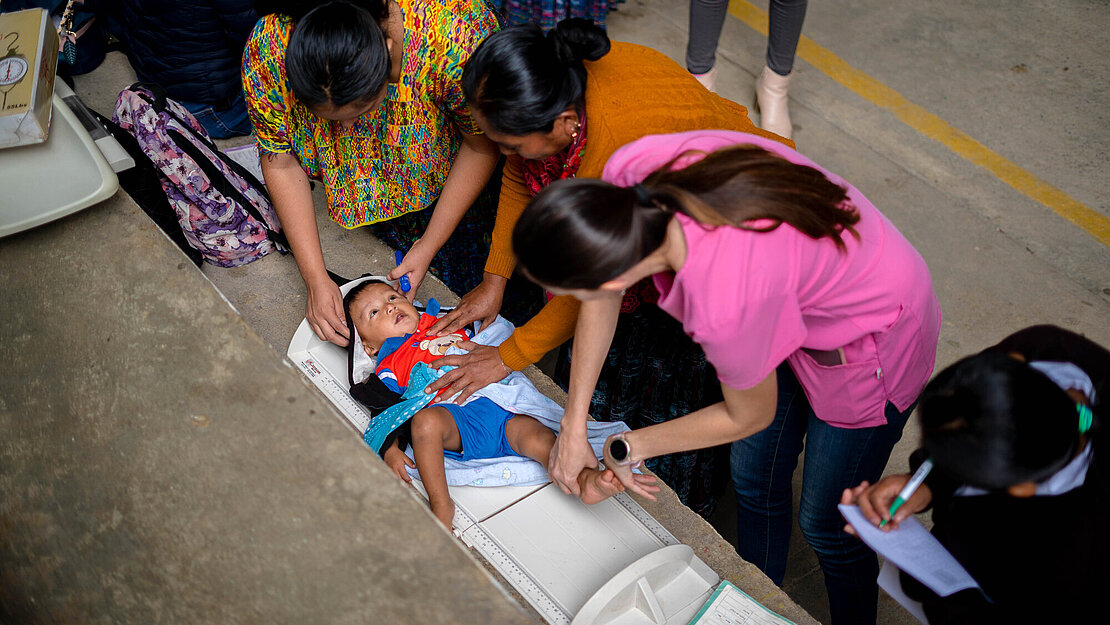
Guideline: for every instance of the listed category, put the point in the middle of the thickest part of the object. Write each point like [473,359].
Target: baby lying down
[393,334]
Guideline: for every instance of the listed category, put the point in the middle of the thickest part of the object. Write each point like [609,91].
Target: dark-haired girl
[1020,487]
[559,104]
[364,97]
[817,314]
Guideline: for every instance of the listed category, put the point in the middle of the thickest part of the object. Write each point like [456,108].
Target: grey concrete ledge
[162,464]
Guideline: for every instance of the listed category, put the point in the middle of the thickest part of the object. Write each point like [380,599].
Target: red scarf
[538,173]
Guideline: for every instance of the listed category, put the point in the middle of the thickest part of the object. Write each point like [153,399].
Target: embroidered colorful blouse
[395,159]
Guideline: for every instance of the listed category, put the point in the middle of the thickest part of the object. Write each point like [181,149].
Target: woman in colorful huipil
[364,97]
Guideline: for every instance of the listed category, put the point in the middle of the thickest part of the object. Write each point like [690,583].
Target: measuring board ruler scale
[355,414]
[510,570]
[649,522]
[468,529]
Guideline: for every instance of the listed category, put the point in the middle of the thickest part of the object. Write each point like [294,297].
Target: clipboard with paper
[915,551]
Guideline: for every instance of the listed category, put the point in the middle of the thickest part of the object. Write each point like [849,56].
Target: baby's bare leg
[529,438]
[433,431]
[532,439]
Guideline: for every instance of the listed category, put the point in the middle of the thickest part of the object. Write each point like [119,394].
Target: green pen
[910,488]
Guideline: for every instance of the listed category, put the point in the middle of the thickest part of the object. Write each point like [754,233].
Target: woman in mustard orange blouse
[364,97]
[559,104]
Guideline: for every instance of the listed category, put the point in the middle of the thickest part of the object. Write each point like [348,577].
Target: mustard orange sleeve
[514,197]
[547,330]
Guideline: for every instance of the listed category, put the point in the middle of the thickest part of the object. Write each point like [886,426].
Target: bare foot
[444,510]
[598,485]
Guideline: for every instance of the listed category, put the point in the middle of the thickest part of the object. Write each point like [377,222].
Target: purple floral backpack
[221,207]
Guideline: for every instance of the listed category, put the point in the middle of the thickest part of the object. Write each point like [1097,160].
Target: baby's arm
[389,381]
[397,461]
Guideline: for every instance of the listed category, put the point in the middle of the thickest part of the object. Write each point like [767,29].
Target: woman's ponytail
[751,188]
[581,233]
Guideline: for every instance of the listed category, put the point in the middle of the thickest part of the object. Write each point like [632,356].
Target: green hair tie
[1086,417]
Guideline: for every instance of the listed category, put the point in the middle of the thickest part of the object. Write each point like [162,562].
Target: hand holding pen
[909,489]
[890,500]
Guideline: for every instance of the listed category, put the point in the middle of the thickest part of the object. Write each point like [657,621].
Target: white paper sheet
[914,550]
[247,156]
[892,584]
[731,606]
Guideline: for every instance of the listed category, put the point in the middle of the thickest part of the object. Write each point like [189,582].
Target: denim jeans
[836,458]
[784,29]
[229,122]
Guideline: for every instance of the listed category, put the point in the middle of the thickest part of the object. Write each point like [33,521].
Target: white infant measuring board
[610,563]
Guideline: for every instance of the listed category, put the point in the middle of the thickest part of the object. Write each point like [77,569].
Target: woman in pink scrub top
[818,315]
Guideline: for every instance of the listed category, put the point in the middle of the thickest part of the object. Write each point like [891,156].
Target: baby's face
[379,312]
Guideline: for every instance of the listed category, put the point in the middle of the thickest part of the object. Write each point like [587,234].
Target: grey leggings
[708,16]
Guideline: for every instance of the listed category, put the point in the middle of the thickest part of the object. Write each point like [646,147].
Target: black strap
[159,93]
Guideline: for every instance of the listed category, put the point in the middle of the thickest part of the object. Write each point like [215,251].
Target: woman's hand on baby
[483,303]
[874,501]
[415,264]
[324,312]
[396,460]
[474,370]
[569,455]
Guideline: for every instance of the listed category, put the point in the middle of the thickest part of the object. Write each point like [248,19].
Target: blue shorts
[481,426]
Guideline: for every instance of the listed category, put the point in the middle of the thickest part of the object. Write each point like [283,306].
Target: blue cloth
[836,458]
[413,401]
[481,426]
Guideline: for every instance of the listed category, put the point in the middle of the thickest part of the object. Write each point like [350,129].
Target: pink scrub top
[754,299]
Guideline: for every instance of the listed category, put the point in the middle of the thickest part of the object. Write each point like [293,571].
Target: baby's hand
[397,461]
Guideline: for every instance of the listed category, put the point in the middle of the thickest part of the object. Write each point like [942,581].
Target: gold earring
[574,133]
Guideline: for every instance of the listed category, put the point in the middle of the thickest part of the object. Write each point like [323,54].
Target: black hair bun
[577,39]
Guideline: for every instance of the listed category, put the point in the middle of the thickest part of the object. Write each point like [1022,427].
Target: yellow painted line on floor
[924,122]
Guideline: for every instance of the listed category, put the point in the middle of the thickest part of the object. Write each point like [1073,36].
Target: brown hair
[739,185]
[563,239]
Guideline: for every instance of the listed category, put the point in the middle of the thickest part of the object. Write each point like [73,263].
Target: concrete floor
[1026,80]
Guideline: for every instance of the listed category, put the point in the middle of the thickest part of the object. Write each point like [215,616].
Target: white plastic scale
[607,564]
